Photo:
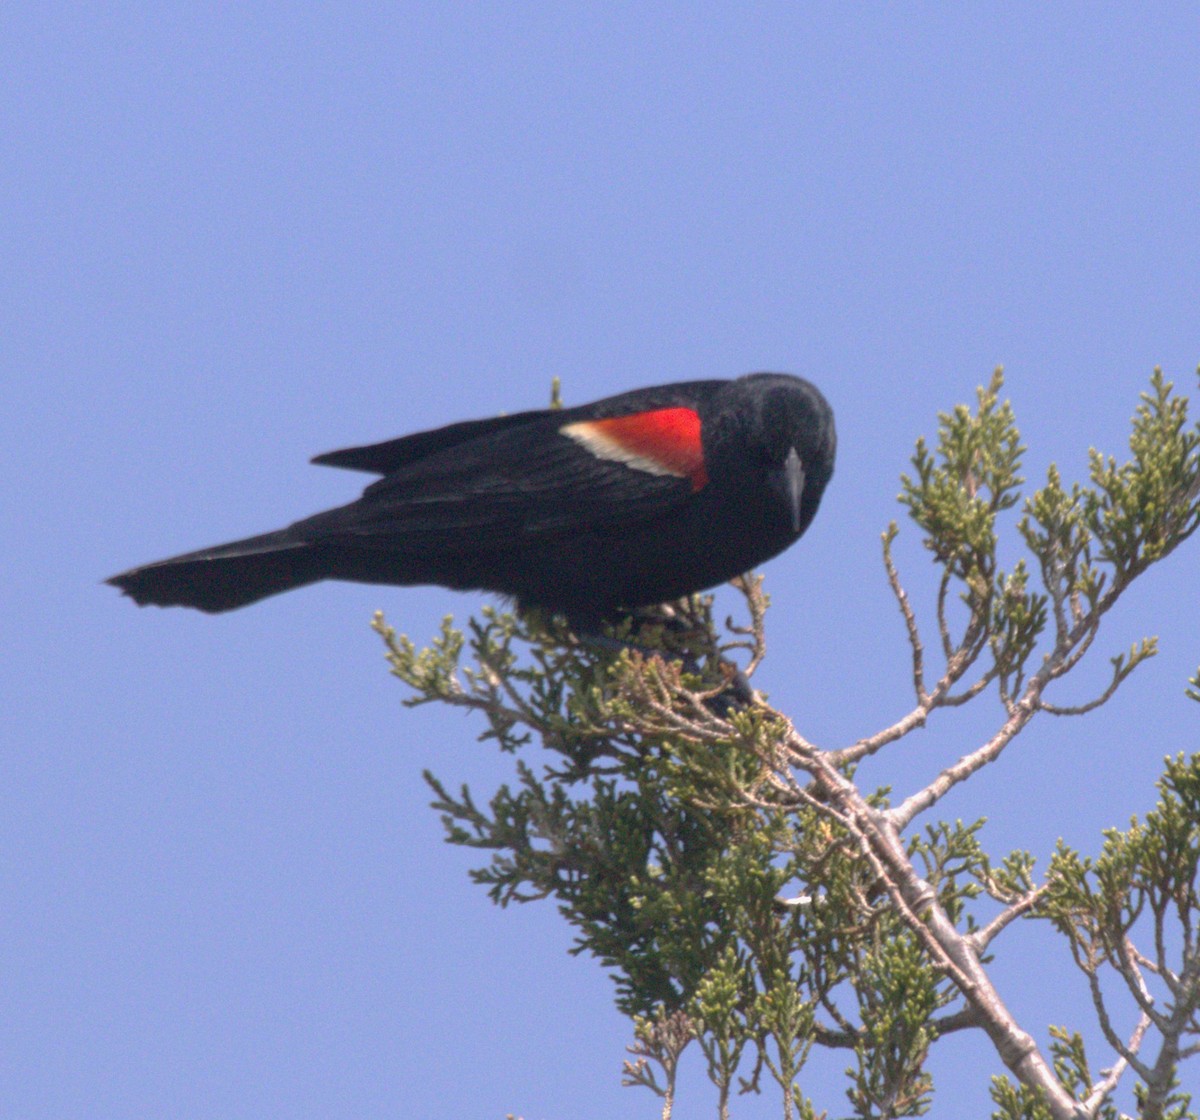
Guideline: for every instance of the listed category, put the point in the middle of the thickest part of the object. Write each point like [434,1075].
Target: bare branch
[943,626]
[1161,1079]
[910,620]
[963,1019]
[983,937]
[939,697]
[901,816]
[971,692]
[1127,1052]
[865,747]
[1080,639]
[1079,709]
[952,952]
[750,585]
[1104,1088]
[1019,714]
[1125,961]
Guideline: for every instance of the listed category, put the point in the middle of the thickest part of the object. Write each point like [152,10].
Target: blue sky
[232,237]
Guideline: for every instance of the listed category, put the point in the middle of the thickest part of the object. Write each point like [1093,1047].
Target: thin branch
[1020,713]
[1080,645]
[1079,709]
[490,703]
[950,951]
[1103,1089]
[910,619]
[983,937]
[499,681]
[1052,581]
[1160,951]
[1162,1078]
[865,747]
[750,585]
[971,692]
[1128,1053]
[901,816]
[1125,963]
[943,627]
[965,1018]
[939,697]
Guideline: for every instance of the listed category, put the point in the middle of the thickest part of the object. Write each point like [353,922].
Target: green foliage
[1088,542]
[1021,1102]
[1143,509]
[959,490]
[748,898]
[952,861]
[1172,1105]
[1194,687]
[899,993]
[1018,1102]
[955,496]
[1145,875]
[1151,869]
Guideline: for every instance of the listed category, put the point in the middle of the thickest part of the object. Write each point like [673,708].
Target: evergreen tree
[752,900]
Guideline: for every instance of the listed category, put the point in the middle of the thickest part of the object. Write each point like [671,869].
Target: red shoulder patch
[665,441]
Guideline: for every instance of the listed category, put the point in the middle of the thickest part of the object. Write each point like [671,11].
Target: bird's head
[785,435]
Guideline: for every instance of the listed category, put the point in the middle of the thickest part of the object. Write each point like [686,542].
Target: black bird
[630,501]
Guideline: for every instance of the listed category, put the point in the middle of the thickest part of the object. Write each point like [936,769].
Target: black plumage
[632,500]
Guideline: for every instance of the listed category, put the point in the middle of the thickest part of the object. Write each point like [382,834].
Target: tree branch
[951,951]
[984,936]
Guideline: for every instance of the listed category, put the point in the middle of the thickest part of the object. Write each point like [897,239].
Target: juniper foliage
[751,901]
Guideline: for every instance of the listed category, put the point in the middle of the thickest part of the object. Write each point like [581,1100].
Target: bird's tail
[225,577]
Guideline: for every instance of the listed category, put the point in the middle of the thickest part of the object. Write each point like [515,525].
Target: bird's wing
[557,473]
[395,454]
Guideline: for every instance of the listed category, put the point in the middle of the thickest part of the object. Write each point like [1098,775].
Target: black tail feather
[225,577]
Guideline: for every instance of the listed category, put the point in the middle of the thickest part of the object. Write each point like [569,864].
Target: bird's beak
[793,478]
